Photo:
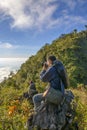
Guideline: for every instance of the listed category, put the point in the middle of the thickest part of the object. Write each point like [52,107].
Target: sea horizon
[10,64]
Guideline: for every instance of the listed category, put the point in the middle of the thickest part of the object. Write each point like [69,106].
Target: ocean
[9,64]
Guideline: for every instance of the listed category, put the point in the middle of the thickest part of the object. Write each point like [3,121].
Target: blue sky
[26,25]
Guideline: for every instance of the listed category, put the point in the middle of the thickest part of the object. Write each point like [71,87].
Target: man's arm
[46,75]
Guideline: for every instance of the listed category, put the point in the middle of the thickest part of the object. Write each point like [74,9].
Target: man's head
[31,82]
[50,60]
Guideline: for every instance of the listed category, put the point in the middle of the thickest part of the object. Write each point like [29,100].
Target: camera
[44,64]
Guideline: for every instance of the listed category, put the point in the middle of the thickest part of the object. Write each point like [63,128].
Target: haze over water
[9,64]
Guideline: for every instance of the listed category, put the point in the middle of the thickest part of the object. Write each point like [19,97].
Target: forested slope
[71,49]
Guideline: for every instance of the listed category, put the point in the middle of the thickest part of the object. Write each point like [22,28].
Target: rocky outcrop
[53,117]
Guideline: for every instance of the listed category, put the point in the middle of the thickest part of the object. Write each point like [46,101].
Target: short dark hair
[52,58]
[31,82]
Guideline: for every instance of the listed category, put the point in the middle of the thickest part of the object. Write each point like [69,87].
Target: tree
[75,30]
[86,27]
[11,74]
[62,35]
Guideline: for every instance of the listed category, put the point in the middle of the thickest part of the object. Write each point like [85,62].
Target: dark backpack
[62,73]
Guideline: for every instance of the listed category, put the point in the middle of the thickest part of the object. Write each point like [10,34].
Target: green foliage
[81,111]
[14,110]
[71,49]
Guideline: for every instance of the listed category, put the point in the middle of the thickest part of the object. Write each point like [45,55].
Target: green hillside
[71,49]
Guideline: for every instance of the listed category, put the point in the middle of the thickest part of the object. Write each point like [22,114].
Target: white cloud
[5,45]
[28,13]
[8,46]
[13,63]
[4,72]
[67,21]
[70,3]
[39,13]
[12,47]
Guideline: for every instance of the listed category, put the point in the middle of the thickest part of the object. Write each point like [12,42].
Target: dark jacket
[32,90]
[32,86]
[51,76]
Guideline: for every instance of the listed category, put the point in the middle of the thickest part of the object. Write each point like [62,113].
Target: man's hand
[45,66]
[45,93]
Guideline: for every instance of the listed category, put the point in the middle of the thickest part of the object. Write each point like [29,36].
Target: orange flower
[12,109]
[17,101]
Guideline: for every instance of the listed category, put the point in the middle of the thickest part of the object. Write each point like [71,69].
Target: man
[49,74]
[32,89]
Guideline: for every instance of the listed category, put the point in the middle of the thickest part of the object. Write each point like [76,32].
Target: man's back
[32,86]
[52,77]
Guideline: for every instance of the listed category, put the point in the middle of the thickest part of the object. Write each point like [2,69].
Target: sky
[26,25]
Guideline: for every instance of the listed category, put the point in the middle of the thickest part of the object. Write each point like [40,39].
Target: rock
[53,117]
[50,117]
